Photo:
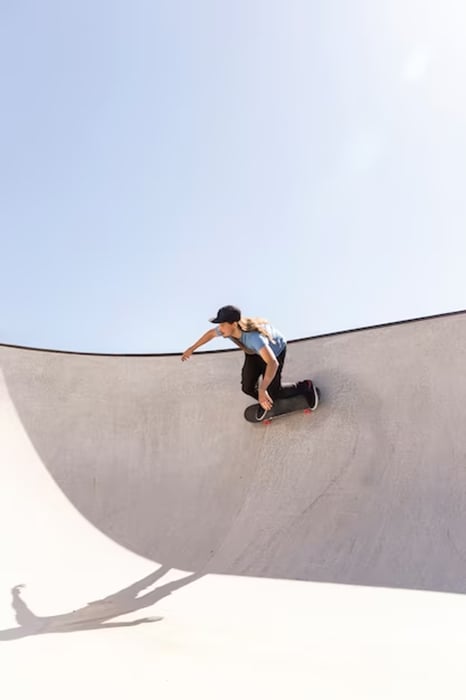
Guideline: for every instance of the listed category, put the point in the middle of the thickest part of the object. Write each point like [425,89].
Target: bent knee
[249,389]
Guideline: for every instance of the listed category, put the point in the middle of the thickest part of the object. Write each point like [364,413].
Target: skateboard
[280,408]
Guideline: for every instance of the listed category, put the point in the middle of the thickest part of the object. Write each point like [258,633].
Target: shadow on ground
[97,614]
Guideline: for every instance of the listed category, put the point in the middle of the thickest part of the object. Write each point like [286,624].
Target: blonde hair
[255,324]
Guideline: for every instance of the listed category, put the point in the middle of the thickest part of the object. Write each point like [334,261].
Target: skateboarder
[265,352]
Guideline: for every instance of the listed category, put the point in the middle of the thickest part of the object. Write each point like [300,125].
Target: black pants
[254,367]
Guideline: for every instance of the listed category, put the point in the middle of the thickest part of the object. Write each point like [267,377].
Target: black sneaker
[260,413]
[311,393]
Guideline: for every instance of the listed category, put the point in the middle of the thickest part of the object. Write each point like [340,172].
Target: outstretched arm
[207,337]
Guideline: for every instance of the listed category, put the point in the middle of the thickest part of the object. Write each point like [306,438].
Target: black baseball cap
[227,314]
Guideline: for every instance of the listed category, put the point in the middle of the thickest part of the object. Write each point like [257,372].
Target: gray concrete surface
[371,489]
[185,552]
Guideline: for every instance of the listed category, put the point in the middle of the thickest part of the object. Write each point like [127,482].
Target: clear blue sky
[305,160]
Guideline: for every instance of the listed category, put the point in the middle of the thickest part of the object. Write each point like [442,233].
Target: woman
[265,352]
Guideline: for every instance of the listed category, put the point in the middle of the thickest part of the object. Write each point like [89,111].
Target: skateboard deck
[280,408]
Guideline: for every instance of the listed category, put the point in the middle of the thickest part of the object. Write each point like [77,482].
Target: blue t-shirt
[253,341]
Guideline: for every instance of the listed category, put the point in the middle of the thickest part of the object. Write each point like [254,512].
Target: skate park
[298,166]
[171,547]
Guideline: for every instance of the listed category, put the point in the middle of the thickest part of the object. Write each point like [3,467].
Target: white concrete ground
[169,548]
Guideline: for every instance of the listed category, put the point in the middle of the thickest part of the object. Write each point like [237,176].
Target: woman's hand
[187,354]
[265,400]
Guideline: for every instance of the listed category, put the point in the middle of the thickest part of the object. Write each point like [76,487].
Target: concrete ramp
[127,473]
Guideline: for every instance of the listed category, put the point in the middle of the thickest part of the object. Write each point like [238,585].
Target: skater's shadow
[95,615]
